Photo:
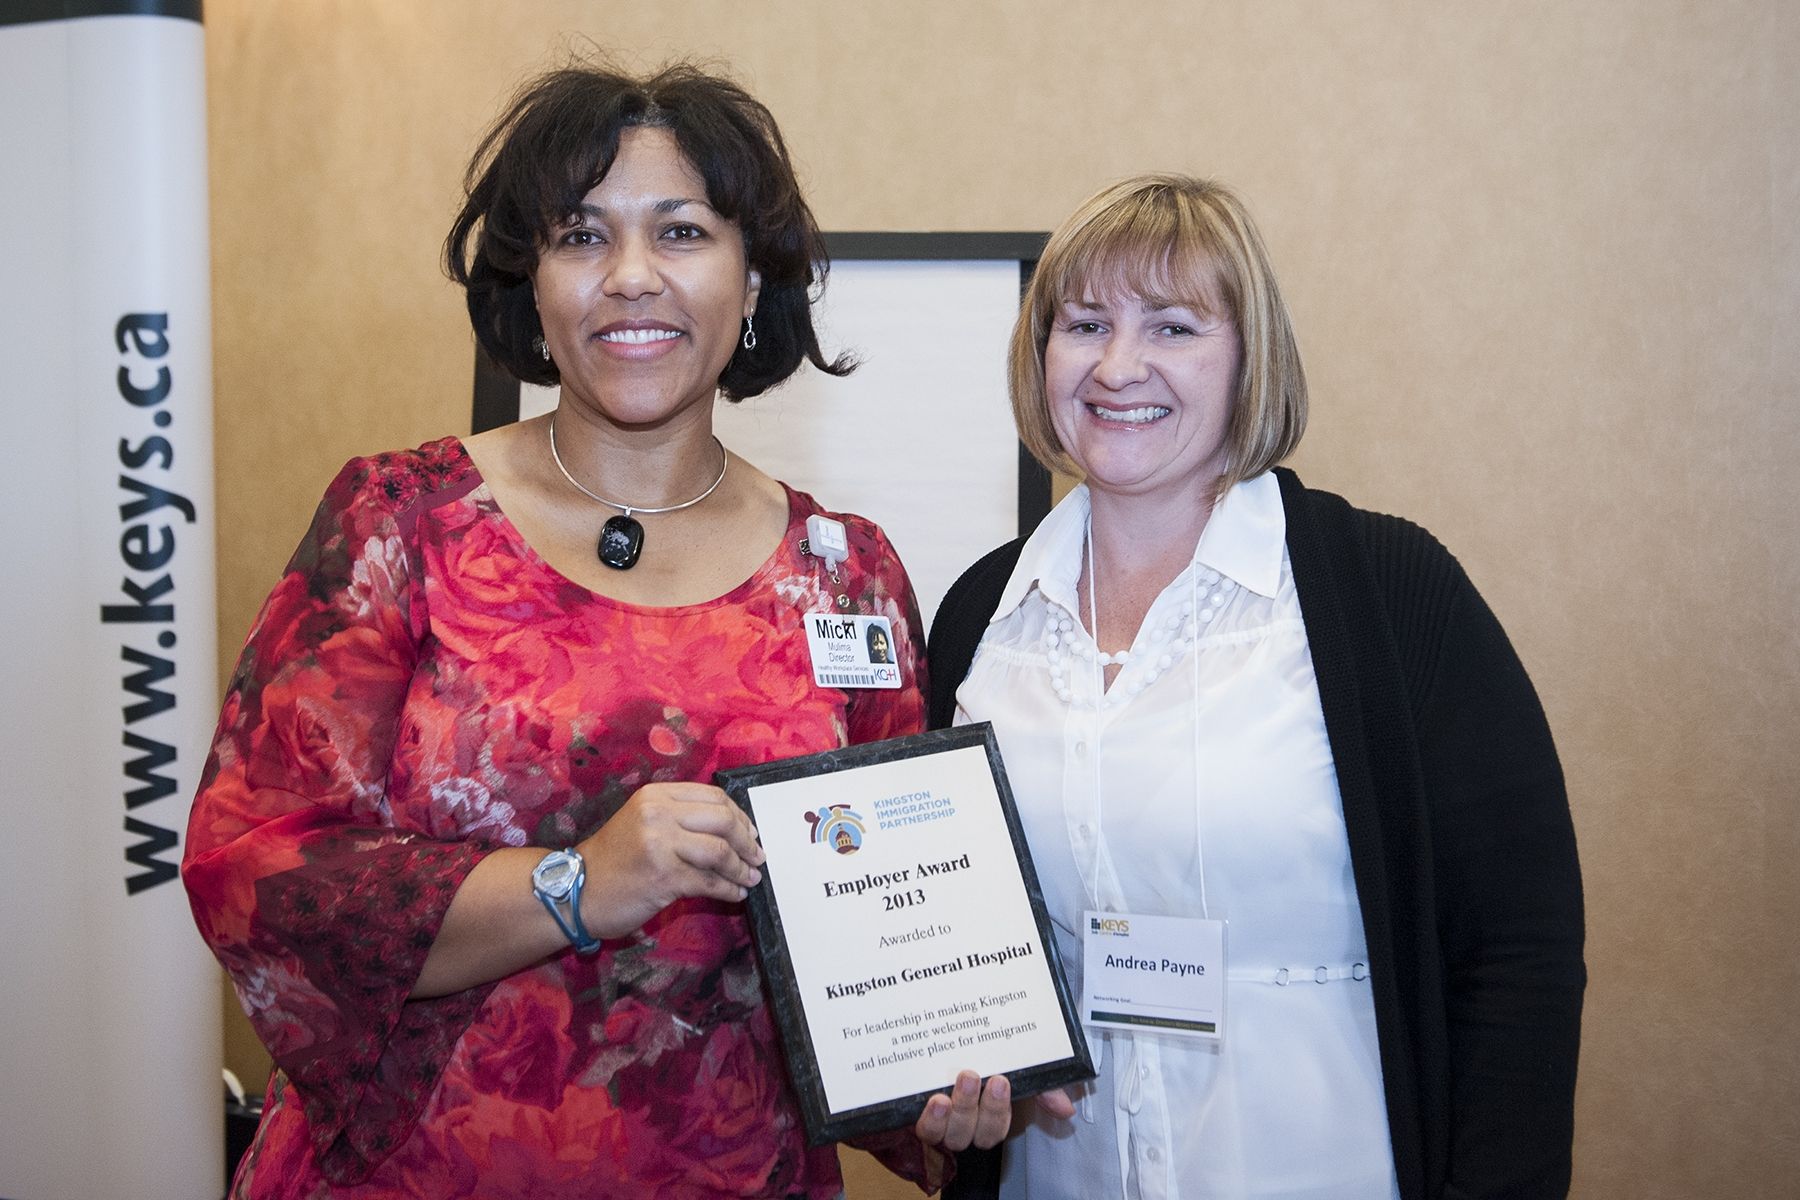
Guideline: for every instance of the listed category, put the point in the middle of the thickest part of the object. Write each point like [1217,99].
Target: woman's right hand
[669,841]
[983,1115]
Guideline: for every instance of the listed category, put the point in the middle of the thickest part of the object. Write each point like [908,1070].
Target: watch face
[556,874]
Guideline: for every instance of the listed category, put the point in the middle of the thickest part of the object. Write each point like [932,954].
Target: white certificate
[901,929]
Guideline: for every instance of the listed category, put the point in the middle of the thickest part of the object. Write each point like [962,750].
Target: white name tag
[852,651]
[1154,974]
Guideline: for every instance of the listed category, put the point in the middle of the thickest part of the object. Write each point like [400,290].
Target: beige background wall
[1544,262]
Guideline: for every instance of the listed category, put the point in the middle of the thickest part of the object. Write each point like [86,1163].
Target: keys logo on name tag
[852,651]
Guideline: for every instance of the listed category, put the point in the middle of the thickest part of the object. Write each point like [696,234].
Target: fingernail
[1001,1089]
[965,1084]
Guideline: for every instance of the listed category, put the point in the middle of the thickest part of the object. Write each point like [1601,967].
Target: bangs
[570,148]
[562,150]
[1169,241]
[1156,250]
[569,168]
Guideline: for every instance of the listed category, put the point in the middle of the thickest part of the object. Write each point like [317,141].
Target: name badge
[852,651]
[1154,974]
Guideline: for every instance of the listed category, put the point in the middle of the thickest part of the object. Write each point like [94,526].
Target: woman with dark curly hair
[454,843]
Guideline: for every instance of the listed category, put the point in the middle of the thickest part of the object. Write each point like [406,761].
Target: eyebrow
[671,205]
[1150,304]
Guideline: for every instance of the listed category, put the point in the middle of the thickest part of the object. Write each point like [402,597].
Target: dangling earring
[749,335]
[543,347]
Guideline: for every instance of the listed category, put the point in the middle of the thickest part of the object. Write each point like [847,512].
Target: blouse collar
[1244,540]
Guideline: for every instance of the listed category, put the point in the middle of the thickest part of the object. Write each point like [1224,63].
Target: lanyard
[1101,855]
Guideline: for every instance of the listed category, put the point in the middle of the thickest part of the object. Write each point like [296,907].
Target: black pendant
[621,541]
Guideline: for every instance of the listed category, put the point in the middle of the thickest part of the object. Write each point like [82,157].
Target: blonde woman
[1286,732]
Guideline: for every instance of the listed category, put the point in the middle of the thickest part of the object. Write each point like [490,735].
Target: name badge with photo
[850,651]
[1154,974]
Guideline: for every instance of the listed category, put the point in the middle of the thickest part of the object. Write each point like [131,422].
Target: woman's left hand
[971,1115]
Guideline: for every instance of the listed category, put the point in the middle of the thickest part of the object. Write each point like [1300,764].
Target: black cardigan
[1460,843]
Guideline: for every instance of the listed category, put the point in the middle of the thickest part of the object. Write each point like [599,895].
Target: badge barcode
[857,679]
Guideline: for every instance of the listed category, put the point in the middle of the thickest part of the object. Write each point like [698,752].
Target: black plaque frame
[769,935]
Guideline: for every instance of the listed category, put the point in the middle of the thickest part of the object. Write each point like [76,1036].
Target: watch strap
[567,910]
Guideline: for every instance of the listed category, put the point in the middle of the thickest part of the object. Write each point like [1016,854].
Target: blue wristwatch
[557,881]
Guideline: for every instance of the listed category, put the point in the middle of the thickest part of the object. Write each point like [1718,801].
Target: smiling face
[644,291]
[1141,390]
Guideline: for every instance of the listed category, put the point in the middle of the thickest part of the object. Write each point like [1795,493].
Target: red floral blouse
[422,688]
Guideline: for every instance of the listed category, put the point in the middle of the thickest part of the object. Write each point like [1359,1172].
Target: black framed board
[901,929]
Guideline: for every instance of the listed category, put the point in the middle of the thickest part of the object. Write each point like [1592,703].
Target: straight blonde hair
[1168,239]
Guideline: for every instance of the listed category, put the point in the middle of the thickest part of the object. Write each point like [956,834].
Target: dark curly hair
[556,141]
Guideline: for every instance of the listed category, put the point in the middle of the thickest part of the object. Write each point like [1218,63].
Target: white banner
[109,1064]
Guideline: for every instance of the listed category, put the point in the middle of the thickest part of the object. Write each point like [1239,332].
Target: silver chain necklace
[622,537]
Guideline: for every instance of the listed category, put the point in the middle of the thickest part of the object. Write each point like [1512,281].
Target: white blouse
[1200,783]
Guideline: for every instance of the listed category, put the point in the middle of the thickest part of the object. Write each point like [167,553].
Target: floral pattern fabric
[422,688]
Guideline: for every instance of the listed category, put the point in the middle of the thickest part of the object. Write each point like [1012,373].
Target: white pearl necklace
[1162,646]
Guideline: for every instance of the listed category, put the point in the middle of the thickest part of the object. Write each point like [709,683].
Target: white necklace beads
[1161,644]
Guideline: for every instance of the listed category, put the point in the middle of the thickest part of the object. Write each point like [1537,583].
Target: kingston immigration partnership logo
[837,826]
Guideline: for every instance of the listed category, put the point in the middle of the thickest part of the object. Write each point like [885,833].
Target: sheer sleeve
[318,906]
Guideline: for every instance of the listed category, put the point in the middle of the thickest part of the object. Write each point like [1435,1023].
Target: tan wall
[1544,263]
